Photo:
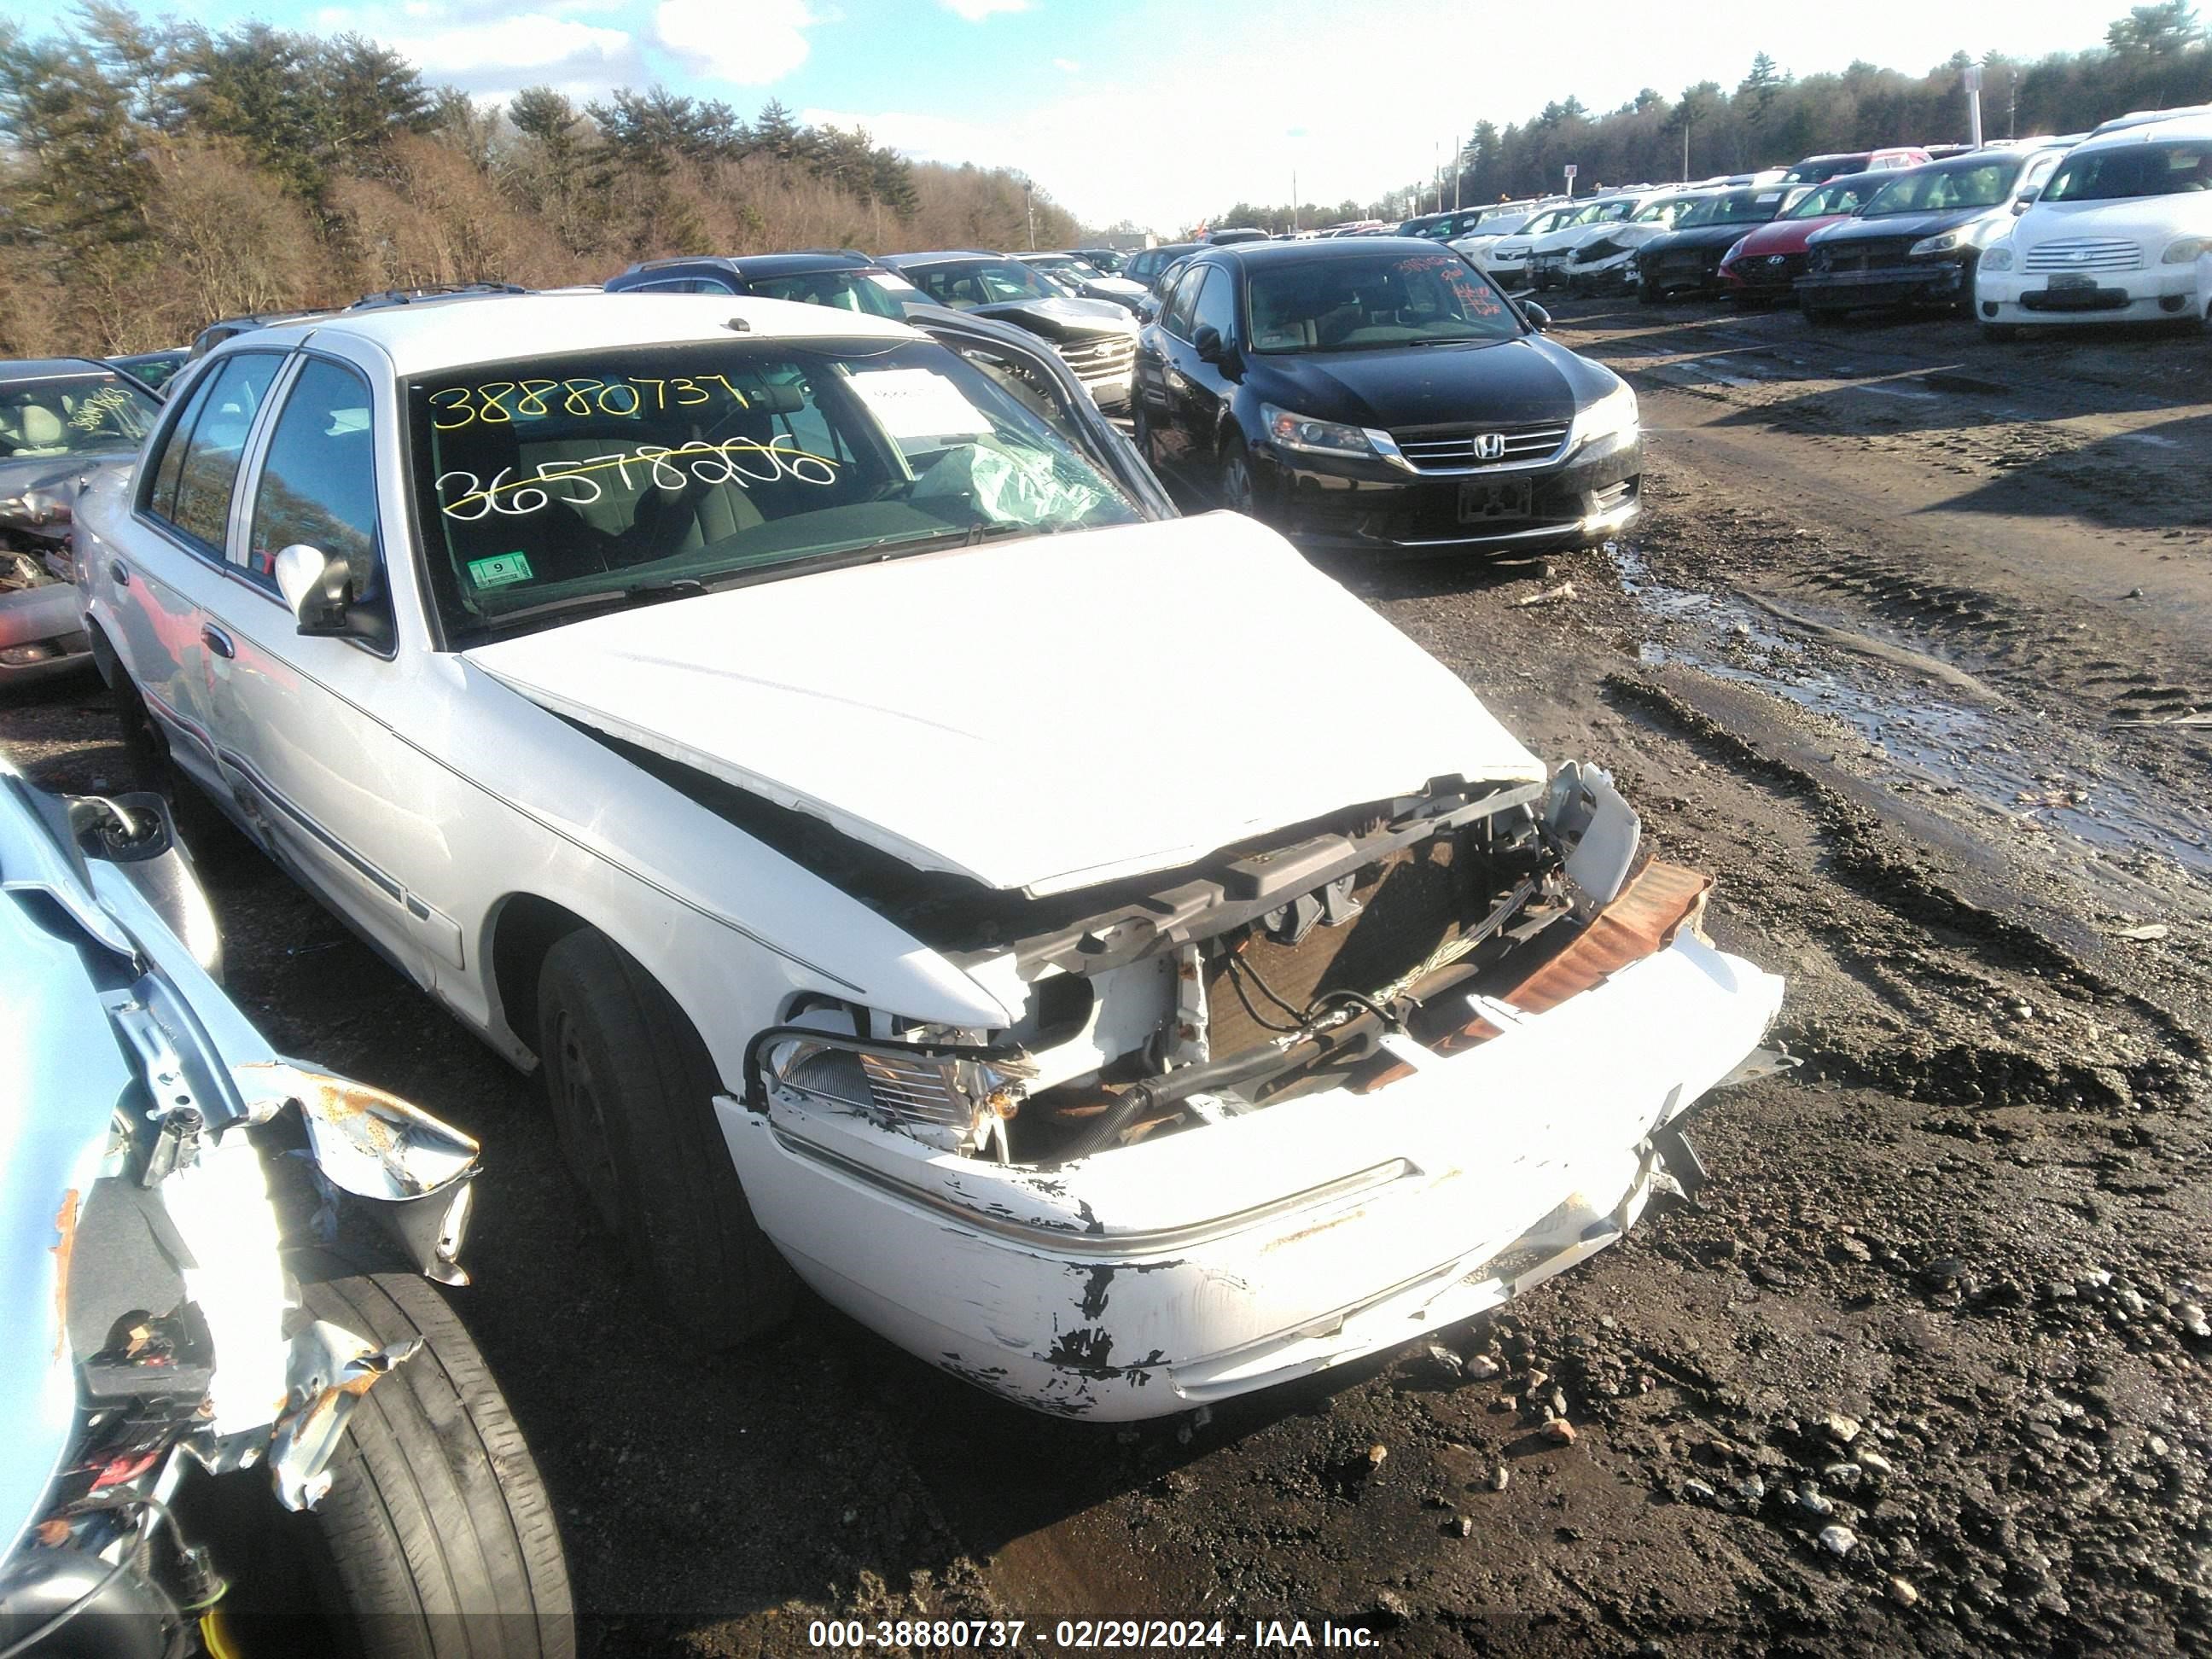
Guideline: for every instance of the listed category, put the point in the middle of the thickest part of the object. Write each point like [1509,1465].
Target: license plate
[1481,501]
[2074,279]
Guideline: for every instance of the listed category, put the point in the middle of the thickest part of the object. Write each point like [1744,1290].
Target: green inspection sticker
[499,570]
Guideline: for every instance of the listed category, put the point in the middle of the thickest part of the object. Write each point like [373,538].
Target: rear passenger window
[193,481]
[319,483]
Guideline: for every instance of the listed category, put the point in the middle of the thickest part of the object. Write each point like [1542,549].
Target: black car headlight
[1289,430]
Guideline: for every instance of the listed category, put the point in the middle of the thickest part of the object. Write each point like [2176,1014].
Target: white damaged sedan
[1088,946]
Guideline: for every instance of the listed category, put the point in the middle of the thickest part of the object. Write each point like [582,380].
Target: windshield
[1936,190]
[982,282]
[1840,196]
[2108,175]
[1361,303]
[1544,224]
[847,290]
[1742,207]
[1106,259]
[1665,213]
[597,479]
[95,413]
[1821,168]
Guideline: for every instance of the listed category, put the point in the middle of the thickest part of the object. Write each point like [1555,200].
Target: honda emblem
[1489,446]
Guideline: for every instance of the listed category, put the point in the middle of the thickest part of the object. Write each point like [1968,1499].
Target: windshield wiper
[678,587]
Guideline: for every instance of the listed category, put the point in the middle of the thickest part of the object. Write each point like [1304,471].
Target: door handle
[120,571]
[217,641]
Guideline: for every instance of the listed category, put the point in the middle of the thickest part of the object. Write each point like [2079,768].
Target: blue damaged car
[224,1437]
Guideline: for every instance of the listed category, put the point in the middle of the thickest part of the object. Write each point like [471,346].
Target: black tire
[1647,293]
[631,1086]
[437,1539]
[1141,428]
[1233,483]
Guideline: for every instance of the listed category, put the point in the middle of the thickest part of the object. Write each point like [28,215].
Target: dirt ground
[1903,651]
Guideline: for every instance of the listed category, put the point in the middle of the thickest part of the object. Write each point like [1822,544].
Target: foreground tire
[437,1539]
[631,1087]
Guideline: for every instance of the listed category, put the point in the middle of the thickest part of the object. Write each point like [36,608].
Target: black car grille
[1875,253]
[1455,448]
[1763,268]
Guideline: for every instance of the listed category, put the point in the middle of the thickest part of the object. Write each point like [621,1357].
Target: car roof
[423,339]
[2183,124]
[1275,253]
[942,256]
[19,369]
[801,263]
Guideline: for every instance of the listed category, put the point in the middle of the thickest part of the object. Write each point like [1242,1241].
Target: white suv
[773,725]
[2121,232]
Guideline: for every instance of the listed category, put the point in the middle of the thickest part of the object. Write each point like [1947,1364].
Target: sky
[1164,111]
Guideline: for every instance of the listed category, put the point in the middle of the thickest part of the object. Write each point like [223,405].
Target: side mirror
[1538,318]
[2021,202]
[1208,344]
[319,586]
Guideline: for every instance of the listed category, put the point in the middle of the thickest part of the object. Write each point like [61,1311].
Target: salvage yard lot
[1904,652]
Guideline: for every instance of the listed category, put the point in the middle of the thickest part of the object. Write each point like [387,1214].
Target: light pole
[1972,76]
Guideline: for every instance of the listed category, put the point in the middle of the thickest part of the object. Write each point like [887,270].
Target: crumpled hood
[1046,713]
[1068,318]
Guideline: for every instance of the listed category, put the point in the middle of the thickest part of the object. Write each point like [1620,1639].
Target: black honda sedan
[1382,393]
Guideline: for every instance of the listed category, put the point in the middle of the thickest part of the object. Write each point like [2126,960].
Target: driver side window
[1175,316]
[319,483]
[1217,308]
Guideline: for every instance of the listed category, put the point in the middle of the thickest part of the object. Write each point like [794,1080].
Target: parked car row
[2111,226]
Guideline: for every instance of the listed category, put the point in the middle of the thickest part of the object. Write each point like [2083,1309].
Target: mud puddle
[2036,772]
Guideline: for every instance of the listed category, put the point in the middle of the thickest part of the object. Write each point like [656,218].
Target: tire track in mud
[1864,859]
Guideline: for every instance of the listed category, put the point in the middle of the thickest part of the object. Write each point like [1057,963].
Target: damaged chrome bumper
[1166,1274]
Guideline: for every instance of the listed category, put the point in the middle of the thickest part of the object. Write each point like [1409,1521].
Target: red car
[1765,266]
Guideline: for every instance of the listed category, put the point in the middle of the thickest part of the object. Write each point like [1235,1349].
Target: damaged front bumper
[1175,1272]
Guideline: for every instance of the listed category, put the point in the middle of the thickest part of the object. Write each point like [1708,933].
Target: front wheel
[437,1538]
[631,1088]
[1140,429]
[1647,292]
[1235,485]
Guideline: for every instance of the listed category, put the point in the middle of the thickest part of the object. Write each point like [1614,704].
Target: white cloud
[525,42]
[750,42]
[1067,65]
[976,10]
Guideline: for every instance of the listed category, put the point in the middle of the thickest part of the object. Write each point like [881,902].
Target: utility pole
[1028,214]
[1686,140]
[1458,153]
[1294,198]
[1972,76]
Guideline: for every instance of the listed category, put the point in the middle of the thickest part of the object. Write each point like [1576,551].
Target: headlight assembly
[947,1094]
[1998,256]
[1286,430]
[1955,241]
[2187,251]
[1613,414]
